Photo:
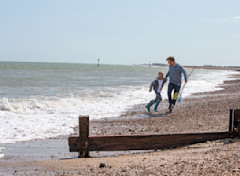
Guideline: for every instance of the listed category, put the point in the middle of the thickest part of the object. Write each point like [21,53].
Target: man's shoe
[170,106]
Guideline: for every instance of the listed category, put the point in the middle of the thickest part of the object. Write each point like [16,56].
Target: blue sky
[120,31]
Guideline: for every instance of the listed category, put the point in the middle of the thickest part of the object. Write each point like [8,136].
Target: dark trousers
[172,87]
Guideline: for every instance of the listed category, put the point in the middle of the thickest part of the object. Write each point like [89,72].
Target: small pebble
[102,165]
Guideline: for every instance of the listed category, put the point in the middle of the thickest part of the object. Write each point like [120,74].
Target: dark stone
[102,165]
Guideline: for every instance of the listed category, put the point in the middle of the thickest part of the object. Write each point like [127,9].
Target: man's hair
[161,72]
[171,58]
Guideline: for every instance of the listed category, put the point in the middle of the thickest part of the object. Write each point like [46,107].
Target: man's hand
[150,90]
[165,79]
[186,81]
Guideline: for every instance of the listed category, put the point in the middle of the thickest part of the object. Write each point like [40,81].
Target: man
[175,74]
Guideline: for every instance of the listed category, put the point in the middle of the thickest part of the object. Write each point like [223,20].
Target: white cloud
[223,19]
[236,17]
[217,20]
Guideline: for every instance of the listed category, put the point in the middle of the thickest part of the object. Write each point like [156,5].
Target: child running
[157,86]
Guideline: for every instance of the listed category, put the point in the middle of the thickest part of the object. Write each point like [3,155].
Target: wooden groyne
[84,143]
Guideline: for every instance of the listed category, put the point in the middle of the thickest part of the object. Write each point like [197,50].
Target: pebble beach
[202,112]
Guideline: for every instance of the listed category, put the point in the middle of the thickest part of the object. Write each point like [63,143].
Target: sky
[200,32]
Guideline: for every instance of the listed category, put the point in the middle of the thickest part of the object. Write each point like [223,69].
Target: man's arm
[167,75]
[184,73]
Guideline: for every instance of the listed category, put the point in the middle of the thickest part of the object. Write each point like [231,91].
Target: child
[157,86]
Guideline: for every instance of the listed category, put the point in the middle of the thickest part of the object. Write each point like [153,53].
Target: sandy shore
[203,112]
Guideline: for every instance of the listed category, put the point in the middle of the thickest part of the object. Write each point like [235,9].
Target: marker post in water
[98,62]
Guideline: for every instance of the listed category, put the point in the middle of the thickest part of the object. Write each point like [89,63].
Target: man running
[175,74]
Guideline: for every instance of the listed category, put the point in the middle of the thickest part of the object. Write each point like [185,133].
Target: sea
[43,100]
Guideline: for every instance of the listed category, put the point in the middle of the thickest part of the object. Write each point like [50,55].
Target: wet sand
[204,112]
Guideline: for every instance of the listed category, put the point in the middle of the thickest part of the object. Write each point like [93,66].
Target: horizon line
[55,62]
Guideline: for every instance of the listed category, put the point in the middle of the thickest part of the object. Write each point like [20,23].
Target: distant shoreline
[237,68]
[214,67]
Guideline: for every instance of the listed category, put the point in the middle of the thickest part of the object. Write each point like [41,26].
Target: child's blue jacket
[154,85]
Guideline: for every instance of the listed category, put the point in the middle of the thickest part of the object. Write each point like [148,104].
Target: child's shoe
[149,105]
[156,106]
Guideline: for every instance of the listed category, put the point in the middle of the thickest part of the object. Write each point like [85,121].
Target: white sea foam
[207,81]
[1,155]
[40,117]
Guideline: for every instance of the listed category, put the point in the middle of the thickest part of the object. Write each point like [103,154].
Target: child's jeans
[158,97]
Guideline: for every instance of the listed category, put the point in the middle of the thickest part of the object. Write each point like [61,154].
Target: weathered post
[236,122]
[83,143]
[231,121]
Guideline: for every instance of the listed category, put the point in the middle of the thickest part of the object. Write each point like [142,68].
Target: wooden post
[83,143]
[231,121]
[236,122]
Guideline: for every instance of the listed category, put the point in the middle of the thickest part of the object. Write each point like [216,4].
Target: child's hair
[161,72]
